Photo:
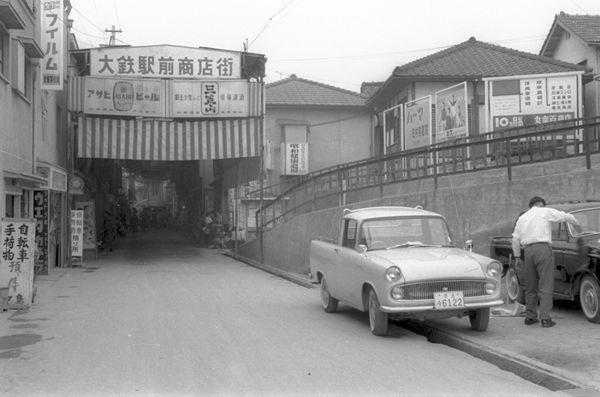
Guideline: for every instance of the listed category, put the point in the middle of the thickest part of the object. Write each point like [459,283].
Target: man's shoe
[531,321]
[547,323]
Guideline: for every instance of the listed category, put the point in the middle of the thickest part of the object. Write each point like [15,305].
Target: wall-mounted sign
[417,123]
[52,65]
[17,261]
[128,97]
[296,158]
[165,61]
[530,100]
[40,214]
[451,113]
[210,98]
[77,233]
[89,223]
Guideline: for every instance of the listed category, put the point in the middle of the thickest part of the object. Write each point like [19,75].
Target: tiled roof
[474,58]
[470,60]
[585,26]
[368,88]
[295,91]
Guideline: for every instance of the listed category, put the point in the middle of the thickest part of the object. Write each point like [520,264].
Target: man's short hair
[535,200]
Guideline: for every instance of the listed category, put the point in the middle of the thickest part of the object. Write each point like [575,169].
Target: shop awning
[143,139]
[23,178]
[9,16]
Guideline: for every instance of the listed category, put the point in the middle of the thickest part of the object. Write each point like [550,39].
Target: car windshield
[404,232]
[589,222]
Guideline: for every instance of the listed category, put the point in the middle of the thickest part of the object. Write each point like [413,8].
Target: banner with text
[529,101]
[451,120]
[165,61]
[141,97]
[209,98]
[41,210]
[17,262]
[77,233]
[296,158]
[52,35]
[417,123]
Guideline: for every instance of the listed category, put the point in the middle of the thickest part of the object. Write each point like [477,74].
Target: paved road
[161,317]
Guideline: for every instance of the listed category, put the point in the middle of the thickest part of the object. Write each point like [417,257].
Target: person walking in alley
[533,232]
[109,230]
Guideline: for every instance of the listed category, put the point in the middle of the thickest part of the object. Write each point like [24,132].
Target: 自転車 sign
[17,261]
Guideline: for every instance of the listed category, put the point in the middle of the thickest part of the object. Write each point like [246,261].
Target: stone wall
[477,206]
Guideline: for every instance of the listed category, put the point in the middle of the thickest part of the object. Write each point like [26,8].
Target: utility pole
[113,35]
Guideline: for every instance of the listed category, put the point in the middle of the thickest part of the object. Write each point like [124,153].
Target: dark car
[576,258]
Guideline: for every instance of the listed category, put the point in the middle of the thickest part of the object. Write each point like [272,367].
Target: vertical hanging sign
[77,233]
[52,25]
[40,214]
[16,264]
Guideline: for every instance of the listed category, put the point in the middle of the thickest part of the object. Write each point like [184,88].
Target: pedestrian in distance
[533,231]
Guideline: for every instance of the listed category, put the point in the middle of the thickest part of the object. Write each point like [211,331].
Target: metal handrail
[497,149]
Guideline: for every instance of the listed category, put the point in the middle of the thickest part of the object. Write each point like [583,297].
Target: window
[22,74]
[9,205]
[3,51]
[349,234]
[25,204]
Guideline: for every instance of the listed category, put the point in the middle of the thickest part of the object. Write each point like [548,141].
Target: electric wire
[269,21]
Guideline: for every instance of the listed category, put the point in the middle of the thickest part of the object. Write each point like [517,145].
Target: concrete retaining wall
[477,206]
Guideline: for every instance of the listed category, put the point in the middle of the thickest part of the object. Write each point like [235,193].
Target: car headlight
[494,269]
[490,288]
[393,274]
[397,293]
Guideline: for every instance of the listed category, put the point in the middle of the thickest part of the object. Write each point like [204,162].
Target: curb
[294,278]
[527,369]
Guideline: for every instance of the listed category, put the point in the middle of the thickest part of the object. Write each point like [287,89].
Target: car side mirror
[469,245]
[362,248]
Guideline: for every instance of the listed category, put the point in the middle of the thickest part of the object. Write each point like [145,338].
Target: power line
[269,21]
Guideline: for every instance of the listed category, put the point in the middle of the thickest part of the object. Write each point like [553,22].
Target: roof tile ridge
[435,55]
[328,86]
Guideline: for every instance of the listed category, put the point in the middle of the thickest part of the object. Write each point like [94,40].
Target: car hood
[419,263]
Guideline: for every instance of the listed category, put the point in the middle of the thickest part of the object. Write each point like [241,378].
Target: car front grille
[426,290]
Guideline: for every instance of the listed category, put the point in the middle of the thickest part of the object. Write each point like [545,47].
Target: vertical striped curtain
[140,139]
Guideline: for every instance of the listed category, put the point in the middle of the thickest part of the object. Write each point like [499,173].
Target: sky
[336,42]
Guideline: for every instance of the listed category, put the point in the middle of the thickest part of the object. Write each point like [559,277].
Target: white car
[401,262]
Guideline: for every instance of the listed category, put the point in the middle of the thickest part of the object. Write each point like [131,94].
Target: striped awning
[143,139]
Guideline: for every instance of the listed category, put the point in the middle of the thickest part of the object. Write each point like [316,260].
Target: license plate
[448,300]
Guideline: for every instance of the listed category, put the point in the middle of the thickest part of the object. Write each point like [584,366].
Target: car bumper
[429,307]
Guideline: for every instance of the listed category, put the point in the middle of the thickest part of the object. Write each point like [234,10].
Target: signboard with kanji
[77,233]
[52,65]
[209,98]
[165,61]
[127,97]
[451,121]
[531,100]
[417,123]
[296,158]
[17,262]
[89,223]
[40,214]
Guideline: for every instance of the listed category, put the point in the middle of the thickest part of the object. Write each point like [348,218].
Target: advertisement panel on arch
[451,121]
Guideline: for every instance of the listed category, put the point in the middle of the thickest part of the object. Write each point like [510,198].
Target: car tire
[480,319]
[513,290]
[589,292]
[328,302]
[378,320]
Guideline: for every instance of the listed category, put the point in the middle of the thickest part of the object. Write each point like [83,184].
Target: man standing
[533,231]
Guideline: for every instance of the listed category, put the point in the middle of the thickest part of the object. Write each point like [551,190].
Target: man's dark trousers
[539,270]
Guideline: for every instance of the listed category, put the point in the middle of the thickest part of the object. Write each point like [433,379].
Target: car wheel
[480,319]
[513,289]
[588,298]
[328,302]
[378,320]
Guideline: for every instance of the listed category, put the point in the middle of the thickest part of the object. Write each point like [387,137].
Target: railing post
[586,148]
[314,196]
[340,187]
[508,158]
[435,169]
[381,166]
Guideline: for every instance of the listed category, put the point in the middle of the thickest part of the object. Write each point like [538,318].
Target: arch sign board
[519,101]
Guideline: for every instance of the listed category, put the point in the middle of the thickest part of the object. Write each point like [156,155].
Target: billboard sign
[77,233]
[209,98]
[451,120]
[530,100]
[165,61]
[52,35]
[417,123]
[296,158]
[126,97]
